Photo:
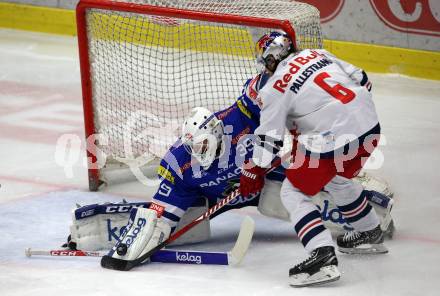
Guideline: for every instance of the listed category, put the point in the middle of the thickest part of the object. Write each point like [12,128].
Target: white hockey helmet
[272,48]
[202,134]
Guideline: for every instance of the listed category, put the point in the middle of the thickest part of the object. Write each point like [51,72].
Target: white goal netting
[147,71]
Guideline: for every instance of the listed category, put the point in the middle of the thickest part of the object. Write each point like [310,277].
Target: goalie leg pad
[335,221]
[100,226]
[270,203]
[199,233]
[351,199]
[143,232]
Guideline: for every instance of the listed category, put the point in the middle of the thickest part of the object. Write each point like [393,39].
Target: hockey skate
[362,242]
[321,267]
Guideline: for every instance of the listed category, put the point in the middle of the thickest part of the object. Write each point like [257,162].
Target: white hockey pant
[306,218]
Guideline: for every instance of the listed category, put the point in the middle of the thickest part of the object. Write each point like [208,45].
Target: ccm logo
[123,208]
[63,253]
[281,84]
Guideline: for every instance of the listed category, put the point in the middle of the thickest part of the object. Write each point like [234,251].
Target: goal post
[145,64]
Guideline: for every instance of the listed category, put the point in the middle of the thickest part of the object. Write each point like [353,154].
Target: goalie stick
[125,265]
[232,257]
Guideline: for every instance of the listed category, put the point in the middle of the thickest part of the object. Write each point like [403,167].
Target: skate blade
[326,274]
[365,249]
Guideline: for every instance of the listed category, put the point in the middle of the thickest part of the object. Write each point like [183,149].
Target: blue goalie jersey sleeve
[175,193]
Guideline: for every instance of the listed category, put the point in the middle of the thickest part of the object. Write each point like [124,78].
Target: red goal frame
[86,83]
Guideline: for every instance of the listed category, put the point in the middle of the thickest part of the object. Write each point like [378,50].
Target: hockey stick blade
[236,255]
[119,264]
[233,257]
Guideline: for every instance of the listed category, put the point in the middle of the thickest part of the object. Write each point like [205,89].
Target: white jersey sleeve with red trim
[320,97]
[273,114]
[355,73]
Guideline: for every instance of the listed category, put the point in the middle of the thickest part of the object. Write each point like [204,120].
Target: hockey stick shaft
[162,256]
[118,264]
[63,253]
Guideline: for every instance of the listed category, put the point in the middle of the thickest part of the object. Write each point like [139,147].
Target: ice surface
[40,99]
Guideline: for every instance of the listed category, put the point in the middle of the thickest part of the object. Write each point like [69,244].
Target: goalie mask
[202,135]
[271,49]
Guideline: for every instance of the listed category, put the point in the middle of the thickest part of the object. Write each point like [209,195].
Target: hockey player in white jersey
[203,164]
[326,103]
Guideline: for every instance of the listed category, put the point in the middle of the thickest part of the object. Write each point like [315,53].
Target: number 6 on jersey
[339,92]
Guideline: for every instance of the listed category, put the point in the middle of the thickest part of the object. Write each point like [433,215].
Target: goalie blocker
[144,231]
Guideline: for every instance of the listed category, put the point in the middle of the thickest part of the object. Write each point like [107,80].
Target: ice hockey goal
[145,64]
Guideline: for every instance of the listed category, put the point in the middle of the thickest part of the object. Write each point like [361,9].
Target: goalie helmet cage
[146,64]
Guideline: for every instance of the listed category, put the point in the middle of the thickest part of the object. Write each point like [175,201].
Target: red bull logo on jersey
[294,66]
[296,84]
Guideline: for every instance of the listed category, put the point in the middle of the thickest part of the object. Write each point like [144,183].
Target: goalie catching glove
[143,232]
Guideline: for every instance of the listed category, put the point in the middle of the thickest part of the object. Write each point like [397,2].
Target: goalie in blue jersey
[202,167]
